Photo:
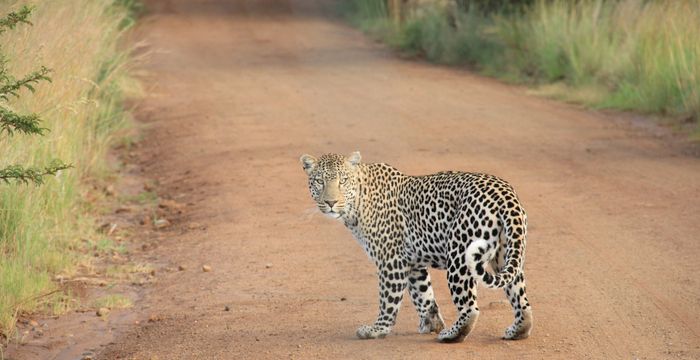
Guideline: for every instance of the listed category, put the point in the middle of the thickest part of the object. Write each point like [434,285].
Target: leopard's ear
[308,162]
[354,158]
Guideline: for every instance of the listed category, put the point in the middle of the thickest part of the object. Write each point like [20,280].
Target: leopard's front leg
[393,276]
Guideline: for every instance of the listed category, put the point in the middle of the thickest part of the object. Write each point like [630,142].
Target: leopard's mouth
[335,214]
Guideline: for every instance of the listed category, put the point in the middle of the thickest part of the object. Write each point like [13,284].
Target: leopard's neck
[378,189]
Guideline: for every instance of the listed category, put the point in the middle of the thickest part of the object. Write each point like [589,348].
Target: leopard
[472,225]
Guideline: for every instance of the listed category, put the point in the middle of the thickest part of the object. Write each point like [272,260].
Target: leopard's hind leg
[463,285]
[522,325]
[421,290]
[517,295]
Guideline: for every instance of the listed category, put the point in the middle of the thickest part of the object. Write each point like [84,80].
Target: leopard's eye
[343,180]
[318,181]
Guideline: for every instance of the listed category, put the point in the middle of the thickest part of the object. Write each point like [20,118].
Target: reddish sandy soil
[241,88]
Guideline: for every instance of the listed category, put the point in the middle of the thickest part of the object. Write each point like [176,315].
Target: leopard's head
[333,181]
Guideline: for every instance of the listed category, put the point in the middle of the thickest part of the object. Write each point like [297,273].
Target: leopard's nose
[331,202]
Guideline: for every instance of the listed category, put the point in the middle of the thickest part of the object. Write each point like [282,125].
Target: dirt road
[242,88]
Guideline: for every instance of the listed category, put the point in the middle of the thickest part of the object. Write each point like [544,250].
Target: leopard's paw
[434,323]
[520,329]
[451,335]
[372,332]
[461,328]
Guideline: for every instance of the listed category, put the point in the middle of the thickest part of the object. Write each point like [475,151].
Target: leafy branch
[20,174]
[12,19]
[12,86]
[11,122]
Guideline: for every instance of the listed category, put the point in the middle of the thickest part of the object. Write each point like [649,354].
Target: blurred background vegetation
[41,227]
[640,55]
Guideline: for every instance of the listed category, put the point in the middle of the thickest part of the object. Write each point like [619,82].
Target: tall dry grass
[641,55]
[82,107]
[627,54]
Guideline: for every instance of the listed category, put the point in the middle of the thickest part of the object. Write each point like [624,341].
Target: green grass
[113,301]
[628,54]
[106,245]
[83,109]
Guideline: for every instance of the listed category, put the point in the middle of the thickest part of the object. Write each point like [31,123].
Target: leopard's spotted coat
[461,222]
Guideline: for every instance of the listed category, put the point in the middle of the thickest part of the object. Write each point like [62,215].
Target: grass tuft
[113,301]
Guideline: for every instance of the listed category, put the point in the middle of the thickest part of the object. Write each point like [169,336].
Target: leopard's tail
[481,252]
